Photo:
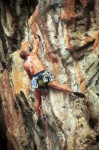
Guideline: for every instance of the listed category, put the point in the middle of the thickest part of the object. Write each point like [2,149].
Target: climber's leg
[37,102]
[55,84]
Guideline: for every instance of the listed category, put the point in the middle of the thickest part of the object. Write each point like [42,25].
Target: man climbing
[40,78]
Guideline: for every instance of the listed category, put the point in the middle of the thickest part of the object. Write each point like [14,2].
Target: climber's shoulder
[26,66]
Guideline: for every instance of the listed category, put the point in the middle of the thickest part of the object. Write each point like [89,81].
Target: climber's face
[27,53]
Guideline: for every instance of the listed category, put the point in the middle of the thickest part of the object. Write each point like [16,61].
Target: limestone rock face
[69,47]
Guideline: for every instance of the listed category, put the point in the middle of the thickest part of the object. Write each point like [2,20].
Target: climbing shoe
[79,94]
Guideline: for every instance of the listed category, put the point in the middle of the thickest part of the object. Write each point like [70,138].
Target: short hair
[23,55]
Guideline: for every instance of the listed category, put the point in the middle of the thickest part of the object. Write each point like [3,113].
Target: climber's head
[24,54]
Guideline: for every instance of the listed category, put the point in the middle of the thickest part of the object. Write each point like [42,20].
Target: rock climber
[39,76]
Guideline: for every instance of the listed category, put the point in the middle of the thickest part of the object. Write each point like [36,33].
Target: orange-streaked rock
[67,122]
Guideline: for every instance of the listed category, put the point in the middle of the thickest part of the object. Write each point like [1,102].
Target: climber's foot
[79,94]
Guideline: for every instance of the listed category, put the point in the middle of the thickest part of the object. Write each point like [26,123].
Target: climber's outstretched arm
[36,45]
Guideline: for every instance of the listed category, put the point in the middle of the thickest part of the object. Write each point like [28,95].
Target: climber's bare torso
[37,65]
